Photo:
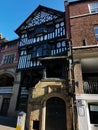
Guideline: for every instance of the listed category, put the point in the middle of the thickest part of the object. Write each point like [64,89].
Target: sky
[14,12]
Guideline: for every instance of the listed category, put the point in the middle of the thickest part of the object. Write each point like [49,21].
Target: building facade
[82,31]
[54,78]
[44,66]
[9,78]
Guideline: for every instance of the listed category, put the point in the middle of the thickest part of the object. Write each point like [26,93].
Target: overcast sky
[14,12]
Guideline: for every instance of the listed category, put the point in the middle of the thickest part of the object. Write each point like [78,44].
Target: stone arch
[50,95]
[6,79]
[44,101]
[55,114]
[8,73]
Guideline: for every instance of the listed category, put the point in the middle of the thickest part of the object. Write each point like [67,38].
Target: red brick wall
[8,51]
[68,32]
[82,24]
[78,9]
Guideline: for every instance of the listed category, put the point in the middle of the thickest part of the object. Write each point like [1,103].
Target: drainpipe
[67,20]
[71,65]
[72,82]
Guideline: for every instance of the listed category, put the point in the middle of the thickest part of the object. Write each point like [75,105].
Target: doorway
[5,106]
[55,114]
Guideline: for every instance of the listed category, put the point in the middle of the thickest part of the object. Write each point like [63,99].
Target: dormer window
[93,7]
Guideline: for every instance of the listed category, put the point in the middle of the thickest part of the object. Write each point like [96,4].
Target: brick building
[9,78]
[82,32]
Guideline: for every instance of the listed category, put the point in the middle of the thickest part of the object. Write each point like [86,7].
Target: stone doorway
[55,114]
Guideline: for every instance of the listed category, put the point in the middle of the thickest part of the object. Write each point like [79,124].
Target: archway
[55,114]
[6,80]
[6,84]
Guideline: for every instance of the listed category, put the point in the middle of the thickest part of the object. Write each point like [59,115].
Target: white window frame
[93,7]
[96,34]
[8,59]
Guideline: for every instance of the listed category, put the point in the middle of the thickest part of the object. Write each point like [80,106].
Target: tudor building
[43,63]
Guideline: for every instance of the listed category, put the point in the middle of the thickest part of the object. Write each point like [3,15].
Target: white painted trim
[82,15]
[89,46]
[88,97]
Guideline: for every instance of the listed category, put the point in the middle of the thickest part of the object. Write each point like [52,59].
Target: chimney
[67,16]
[0,36]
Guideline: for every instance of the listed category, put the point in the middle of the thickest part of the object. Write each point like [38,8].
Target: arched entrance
[6,84]
[6,80]
[55,114]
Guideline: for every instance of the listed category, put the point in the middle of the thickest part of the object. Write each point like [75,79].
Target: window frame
[94,8]
[8,59]
[96,34]
[93,112]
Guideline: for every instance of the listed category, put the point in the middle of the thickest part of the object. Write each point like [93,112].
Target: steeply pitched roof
[40,8]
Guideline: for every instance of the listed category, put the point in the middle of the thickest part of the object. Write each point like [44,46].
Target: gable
[40,15]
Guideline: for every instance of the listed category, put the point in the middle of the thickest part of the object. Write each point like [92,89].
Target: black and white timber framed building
[43,49]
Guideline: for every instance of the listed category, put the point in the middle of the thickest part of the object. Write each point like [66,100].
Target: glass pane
[63,44]
[39,51]
[93,7]
[58,45]
[57,25]
[93,111]
[62,24]
[96,30]
[97,37]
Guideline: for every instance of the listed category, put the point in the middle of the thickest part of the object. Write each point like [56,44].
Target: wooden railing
[90,87]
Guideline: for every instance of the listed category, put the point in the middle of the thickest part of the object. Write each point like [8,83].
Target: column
[43,116]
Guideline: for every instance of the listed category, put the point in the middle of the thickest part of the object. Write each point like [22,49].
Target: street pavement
[7,123]
[2,127]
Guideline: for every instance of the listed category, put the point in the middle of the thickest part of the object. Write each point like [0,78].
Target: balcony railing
[44,35]
[6,90]
[90,87]
[39,51]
